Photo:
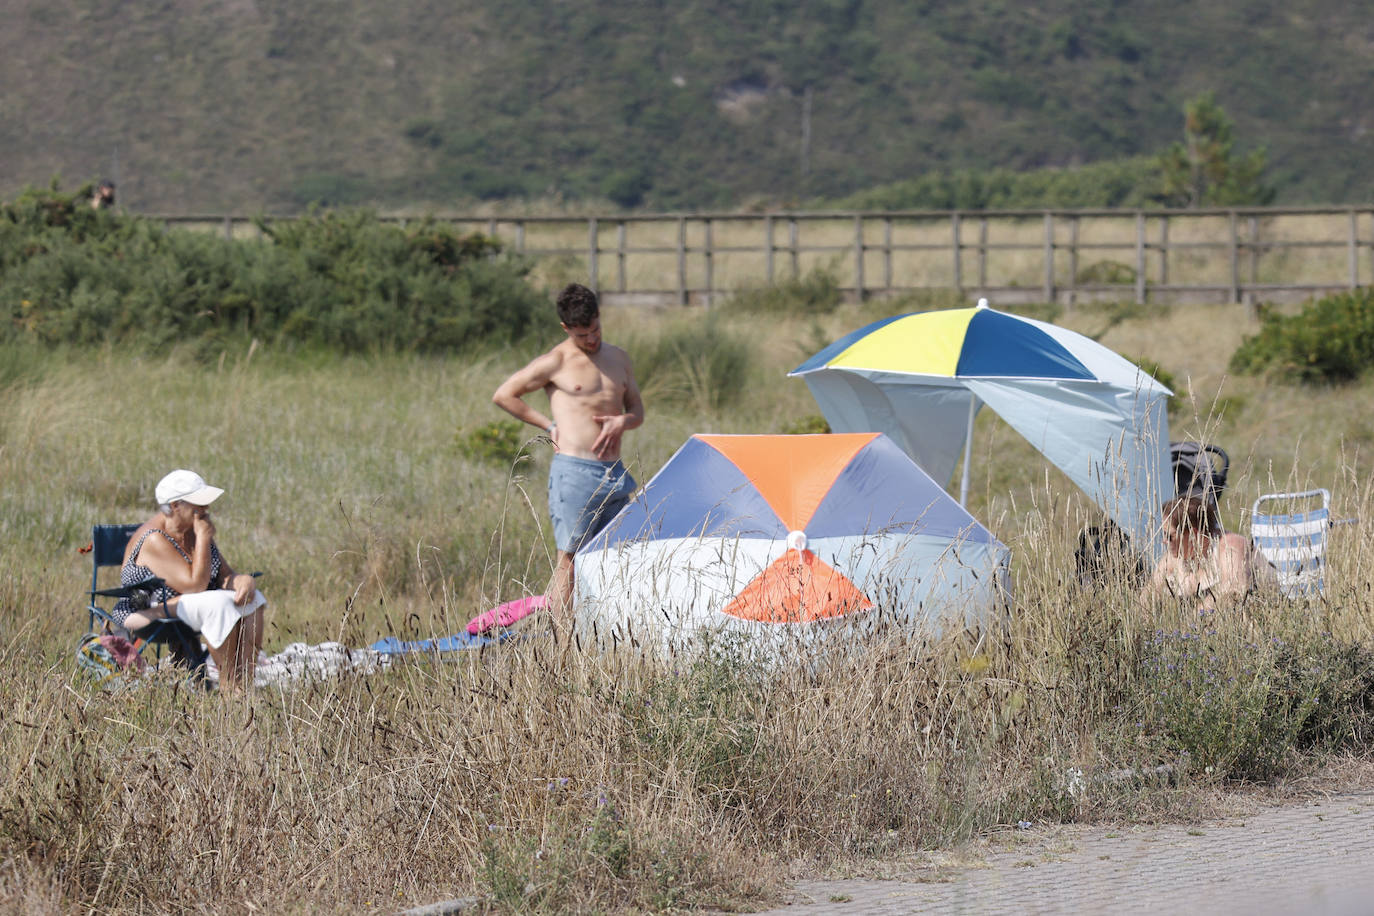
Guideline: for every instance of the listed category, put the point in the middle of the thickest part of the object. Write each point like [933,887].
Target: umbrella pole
[968,452]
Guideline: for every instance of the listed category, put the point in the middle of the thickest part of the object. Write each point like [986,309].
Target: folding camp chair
[1292,537]
[108,543]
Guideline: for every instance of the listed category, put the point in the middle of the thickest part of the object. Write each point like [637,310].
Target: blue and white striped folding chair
[1293,539]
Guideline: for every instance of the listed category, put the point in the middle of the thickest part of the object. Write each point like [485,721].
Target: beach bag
[108,659]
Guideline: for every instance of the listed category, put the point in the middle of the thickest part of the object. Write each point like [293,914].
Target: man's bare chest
[589,381]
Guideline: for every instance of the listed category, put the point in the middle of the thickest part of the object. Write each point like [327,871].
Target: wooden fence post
[620,256]
[958,265]
[1253,238]
[1354,250]
[1371,244]
[792,243]
[593,245]
[1073,261]
[520,236]
[682,260]
[858,258]
[768,249]
[1164,250]
[1235,261]
[1049,256]
[1140,257]
[982,254]
[710,265]
[887,254]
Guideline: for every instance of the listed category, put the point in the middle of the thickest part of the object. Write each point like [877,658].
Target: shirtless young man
[594,400]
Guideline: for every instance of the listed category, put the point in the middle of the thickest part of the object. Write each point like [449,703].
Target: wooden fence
[1065,256]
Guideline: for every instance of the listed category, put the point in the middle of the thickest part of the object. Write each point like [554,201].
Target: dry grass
[585,783]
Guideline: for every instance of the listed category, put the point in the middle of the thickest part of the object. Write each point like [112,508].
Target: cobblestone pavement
[1314,856]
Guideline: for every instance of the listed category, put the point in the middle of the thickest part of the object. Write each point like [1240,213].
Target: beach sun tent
[802,535]
[921,377]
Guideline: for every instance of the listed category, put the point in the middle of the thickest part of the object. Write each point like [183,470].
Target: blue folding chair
[1291,535]
[108,543]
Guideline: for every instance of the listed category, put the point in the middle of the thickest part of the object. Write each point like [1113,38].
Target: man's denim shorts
[583,496]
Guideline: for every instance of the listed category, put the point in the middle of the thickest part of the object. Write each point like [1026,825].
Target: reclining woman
[1203,564]
[201,589]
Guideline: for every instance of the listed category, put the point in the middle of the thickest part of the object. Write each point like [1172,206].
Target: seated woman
[1200,562]
[202,590]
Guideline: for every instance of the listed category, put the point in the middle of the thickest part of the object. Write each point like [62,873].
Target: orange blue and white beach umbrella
[787,537]
[920,378]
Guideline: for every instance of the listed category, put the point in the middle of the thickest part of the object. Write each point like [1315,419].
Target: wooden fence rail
[1065,256]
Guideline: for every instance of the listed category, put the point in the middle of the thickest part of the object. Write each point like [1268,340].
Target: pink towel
[125,653]
[506,614]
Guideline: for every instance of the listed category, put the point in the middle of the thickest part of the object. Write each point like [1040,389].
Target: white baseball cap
[188,487]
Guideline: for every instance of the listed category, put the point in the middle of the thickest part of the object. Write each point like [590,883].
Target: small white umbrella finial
[982,303]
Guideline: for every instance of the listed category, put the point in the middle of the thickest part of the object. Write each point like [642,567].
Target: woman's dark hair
[1193,513]
[577,306]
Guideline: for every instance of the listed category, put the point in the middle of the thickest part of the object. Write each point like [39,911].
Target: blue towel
[392,645]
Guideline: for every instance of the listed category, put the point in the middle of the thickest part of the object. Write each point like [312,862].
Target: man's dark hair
[577,306]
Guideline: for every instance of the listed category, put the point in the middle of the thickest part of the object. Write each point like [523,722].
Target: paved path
[1313,856]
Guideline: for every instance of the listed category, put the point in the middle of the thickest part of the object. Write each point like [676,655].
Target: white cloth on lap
[214,613]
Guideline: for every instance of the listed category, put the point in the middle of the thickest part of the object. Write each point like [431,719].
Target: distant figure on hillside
[104,196]
[1201,563]
[593,399]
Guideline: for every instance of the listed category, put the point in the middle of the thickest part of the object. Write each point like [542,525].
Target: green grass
[594,783]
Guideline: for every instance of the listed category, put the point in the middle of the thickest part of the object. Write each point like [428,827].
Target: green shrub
[1240,709]
[344,281]
[696,363]
[815,293]
[499,442]
[1330,340]
[1112,272]
[703,721]
[807,425]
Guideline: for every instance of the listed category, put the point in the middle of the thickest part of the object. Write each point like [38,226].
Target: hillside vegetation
[262,104]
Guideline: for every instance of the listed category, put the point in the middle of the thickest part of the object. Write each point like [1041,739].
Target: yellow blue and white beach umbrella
[921,377]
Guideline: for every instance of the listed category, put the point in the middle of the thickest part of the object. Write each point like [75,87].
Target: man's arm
[510,395]
[613,427]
